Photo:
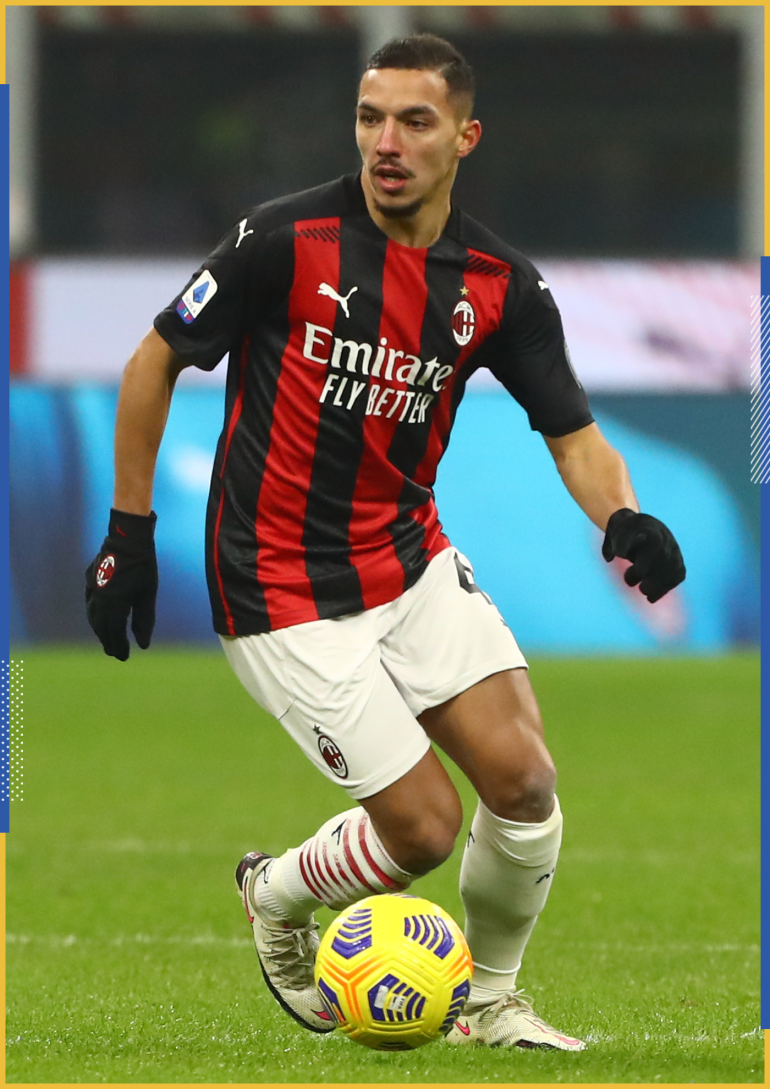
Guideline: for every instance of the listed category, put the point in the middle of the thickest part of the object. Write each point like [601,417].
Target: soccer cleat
[286,954]
[510,1021]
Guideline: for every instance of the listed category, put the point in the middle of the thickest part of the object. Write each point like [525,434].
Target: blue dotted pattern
[16,731]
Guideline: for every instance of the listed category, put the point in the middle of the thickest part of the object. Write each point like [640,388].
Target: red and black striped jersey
[349,354]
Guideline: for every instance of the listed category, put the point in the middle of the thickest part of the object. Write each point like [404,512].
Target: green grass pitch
[130,960]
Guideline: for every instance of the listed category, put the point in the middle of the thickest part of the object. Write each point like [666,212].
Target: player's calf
[505,877]
[418,817]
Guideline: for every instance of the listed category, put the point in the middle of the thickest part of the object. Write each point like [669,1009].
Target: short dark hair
[427,51]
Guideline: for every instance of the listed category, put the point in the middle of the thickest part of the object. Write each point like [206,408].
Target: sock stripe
[344,874]
[388,882]
[351,860]
[308,856]
[342,863]
[322,879]
[306,877]
[330,871]
[314,860]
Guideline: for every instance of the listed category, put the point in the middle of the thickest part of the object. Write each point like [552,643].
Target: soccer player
[353,315]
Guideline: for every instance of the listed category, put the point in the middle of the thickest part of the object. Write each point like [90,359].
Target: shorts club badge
[330,751]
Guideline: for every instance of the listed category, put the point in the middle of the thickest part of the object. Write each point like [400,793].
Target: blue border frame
[4,474]
[765,679]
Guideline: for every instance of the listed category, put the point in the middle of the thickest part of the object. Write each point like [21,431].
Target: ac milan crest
[463,322]
[332,755]
[105,570]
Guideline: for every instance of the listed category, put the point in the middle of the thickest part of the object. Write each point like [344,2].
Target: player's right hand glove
[122,580]
[656,561]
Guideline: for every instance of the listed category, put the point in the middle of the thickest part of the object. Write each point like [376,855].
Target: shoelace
[292,953]
[511,999]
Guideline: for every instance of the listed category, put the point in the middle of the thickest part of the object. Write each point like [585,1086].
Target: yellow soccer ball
[394,971]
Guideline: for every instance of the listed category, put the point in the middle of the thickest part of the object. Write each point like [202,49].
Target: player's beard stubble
[403,211]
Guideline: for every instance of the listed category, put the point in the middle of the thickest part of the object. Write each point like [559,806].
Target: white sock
[505,877]
[342,863]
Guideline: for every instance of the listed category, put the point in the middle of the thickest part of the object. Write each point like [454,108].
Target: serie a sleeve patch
[198,295]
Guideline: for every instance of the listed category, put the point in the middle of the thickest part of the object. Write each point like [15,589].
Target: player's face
[411,138]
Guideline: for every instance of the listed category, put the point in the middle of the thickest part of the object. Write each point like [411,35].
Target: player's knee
[428,840]
[526,793]
[429,850]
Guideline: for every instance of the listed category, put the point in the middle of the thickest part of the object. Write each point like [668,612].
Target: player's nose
[388,143]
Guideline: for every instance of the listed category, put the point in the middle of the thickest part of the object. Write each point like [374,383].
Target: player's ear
[469,136]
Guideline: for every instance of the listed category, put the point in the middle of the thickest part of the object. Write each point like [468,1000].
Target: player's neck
[419,230]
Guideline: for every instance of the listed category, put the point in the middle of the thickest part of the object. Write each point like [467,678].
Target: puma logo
[242,232]
[324,289]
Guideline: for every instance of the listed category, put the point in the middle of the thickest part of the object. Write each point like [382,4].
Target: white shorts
[349,690]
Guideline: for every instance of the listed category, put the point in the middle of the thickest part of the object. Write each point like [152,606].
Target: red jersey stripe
[375,500]
[288,467]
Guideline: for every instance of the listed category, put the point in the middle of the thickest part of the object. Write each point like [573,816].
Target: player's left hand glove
[656,562]
[122,580]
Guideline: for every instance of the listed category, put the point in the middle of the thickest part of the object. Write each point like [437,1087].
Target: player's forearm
[594,473]
[143,404]
[600,485]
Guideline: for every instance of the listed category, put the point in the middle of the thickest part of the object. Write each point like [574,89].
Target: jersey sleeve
[530,358]
[213,311]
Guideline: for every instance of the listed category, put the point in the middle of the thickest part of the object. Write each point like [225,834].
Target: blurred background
[622,152]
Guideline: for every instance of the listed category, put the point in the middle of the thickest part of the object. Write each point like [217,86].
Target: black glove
[657,564]
[123,579]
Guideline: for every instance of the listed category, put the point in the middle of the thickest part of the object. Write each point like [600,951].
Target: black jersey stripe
[233,416]
[334,579]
